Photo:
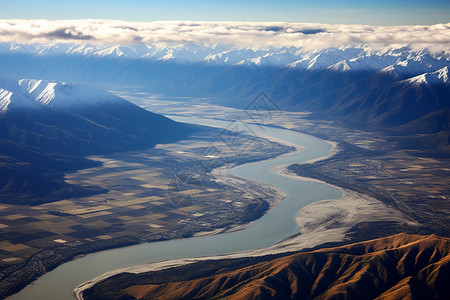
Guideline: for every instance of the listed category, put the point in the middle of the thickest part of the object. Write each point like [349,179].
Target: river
[273,227]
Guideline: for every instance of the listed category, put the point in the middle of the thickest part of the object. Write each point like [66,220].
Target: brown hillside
[397,267]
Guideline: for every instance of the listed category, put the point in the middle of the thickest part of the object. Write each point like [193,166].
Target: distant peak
[30,84]
[357,57]
[438,77]
[5,100]
[443,74]
[341,66]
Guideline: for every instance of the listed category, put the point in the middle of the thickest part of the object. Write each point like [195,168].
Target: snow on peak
[360,57]
[113,51]
[31,93]
[443,74]
[11,98]
[168,56]
[438,77]
[341,66]
[5,100]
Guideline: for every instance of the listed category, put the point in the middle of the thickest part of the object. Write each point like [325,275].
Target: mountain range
[401,91]
[396,267]
[49,127]
[344,58]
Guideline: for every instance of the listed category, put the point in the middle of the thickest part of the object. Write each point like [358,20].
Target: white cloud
[238,34]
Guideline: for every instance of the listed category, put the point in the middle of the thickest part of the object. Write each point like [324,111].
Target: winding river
[273,227]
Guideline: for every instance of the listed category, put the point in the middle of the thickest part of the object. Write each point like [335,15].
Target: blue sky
[381,12]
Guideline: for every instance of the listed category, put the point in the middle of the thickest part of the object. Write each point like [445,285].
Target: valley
[413,181]
[155,194]
[222,165]
[353,168]
[107,222]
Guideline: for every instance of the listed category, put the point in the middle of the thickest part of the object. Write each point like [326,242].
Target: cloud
[236,34]
[312,31]
[68,34]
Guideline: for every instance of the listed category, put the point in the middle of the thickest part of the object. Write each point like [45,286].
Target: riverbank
[321,222]
[224,176]
[263,235]
[269,276]
[130,209]
[328,220]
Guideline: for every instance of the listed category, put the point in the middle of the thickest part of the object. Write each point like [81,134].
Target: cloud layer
[238,34]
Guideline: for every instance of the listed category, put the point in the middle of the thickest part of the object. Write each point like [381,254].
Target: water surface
[273,227]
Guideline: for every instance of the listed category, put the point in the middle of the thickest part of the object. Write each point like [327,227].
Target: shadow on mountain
[40,141]
[405,100]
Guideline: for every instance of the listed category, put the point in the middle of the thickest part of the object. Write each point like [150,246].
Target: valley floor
[413,189]
[156,194]
[369,166]
[415,182]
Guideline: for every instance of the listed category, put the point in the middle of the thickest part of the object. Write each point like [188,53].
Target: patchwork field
[373,163]
[159,193]
[167,192]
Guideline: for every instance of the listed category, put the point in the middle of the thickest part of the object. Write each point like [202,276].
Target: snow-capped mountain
[59,109]
[353,57]
[396,90]
[32,94]
[347,82]
[437,78]
[61,94]
[79,110]
[48,126]
[137,62]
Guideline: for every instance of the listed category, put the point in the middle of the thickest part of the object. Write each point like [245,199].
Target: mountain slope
[371,89]
[48,127]
[397,267]
[387,105]
[78,119]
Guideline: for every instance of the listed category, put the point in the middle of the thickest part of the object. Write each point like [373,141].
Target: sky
[380,12]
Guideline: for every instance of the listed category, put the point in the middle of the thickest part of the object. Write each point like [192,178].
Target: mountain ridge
[393,267]
[50,127]
[358,57]
[32,94]
[370,89]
